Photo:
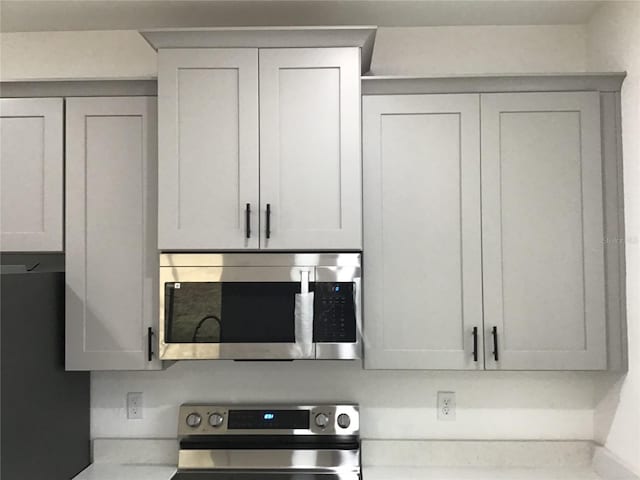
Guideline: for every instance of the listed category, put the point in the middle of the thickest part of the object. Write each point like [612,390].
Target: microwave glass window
[193,311]
[230,312]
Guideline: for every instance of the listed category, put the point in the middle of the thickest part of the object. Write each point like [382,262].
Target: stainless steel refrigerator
[44,410]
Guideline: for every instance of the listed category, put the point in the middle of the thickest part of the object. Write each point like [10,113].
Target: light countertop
[478,473]
[109,471]
[102,471]
[155,459]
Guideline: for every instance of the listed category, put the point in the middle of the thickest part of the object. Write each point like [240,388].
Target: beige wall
[614,44]
[97,54]
[479,50]
[399,51]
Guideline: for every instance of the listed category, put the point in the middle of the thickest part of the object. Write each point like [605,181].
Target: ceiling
[43,15]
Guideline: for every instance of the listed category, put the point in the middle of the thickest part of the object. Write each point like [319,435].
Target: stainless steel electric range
[319,442]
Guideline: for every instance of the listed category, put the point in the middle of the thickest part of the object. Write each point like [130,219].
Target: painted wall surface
[399,51]
[498,405]
[91,54]
[479,50]
[490,405]
[614,44]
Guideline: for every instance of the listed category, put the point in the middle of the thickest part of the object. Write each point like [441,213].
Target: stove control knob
[215,420]
[344,420]
[194,420]
[322,420]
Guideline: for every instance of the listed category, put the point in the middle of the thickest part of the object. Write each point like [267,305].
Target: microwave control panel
[334,313]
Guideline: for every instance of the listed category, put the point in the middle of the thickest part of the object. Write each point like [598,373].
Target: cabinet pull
[475,344]
[247,213]
[149,344]
[494,332]
[268,220]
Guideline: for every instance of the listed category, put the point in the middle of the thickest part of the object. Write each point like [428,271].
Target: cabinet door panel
[543,230]
[31,175]
[208,165]
[423,281]
[111,258]
[310,171]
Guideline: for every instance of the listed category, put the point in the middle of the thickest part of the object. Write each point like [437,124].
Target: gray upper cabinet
[542,219]
[111,232]
[310,160]
[492,211]
[259,149]
[31,170]
[208,163]
[423,281]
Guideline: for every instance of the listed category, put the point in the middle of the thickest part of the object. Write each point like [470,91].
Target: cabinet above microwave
[260,145]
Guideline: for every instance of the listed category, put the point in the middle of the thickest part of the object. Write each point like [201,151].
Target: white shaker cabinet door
[310,153]
[31,167]
[111,230]
[208,157]
[543,251]
[422,263]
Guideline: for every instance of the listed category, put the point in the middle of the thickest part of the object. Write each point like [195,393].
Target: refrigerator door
[45,410]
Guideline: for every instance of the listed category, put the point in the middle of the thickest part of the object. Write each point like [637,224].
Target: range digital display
[268,419]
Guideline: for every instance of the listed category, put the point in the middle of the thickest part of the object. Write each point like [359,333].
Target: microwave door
[237,313]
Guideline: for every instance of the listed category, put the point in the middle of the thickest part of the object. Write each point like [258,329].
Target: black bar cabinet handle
[475,344]
[150,344]
[268,220]
[494,332]
[248,220]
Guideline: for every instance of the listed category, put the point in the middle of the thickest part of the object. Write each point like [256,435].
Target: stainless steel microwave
[260,306]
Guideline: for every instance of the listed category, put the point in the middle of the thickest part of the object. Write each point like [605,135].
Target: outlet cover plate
[134,405]
[447,406]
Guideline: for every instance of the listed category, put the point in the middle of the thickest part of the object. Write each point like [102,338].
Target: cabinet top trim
[604,82]
[266,37]
[78,88]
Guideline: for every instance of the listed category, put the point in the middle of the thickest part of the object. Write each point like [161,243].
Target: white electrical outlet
[446,406]
[134,405]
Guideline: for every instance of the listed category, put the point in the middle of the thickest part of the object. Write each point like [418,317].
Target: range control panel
[260,420]
[334,313]
[269,419]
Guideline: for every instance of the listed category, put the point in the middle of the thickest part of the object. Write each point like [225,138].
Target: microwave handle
[304,318]
[304,281]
